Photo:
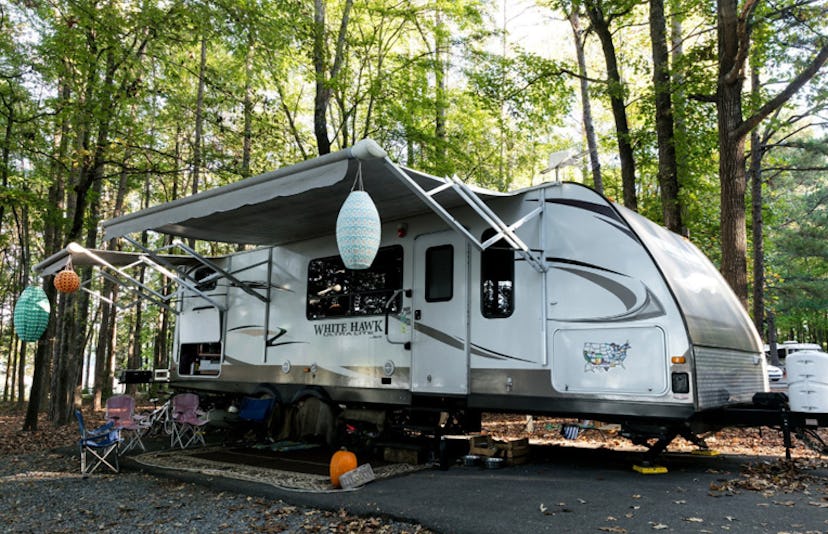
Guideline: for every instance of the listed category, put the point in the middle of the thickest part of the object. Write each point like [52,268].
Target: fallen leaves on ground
[759,441]
[780,476]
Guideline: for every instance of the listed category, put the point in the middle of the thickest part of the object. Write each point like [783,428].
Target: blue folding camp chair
[255,410]
[254,414]
[101,443]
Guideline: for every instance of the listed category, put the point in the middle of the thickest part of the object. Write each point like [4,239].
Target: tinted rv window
[497,278]
[439,273]
[335,291]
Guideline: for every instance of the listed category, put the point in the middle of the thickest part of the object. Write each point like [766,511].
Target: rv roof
[290,204]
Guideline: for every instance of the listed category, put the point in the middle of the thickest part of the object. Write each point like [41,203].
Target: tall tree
[586,105]
[601,14]
[327,69]
[667,163]
[735,26]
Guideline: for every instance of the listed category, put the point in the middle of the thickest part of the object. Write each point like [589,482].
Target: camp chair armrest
[102,430]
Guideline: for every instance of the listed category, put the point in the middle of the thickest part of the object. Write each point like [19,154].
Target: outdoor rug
[220,461]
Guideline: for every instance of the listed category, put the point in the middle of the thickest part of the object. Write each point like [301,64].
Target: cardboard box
[403,455]
[482,446]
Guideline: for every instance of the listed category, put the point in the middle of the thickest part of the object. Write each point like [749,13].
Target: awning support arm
[154,262]
[167,269]
[148,294]
[133,284]
[238,283]
[480,207]
[491,218]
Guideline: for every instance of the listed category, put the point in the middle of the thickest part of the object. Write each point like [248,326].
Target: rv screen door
[440,349]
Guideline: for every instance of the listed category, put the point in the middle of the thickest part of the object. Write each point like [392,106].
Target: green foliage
[797,254]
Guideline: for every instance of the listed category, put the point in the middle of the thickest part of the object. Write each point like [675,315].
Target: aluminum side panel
[727,376]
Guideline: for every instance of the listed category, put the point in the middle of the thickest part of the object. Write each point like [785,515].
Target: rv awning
[291,204]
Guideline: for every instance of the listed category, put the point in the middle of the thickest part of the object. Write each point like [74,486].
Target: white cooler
[808,381]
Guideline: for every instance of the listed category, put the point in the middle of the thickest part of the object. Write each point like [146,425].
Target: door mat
[206,461]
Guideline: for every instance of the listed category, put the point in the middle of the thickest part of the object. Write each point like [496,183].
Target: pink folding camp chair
[120,409]
[187,421]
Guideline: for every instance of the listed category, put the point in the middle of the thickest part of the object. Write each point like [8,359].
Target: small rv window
[335,291]
[202,273]
[497,279]
[439,273]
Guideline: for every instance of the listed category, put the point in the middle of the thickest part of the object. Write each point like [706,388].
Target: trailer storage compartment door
[199,325]
[628,361]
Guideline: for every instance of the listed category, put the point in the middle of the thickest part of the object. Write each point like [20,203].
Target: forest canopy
[708,117]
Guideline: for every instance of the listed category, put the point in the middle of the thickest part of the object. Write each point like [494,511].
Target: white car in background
[775,374]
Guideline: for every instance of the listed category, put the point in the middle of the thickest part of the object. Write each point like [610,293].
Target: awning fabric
[291,204]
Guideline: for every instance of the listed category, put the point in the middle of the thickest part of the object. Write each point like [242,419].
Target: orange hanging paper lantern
[342,462]
[67,281]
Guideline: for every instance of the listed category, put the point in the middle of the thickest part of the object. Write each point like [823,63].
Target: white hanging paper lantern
[358,228]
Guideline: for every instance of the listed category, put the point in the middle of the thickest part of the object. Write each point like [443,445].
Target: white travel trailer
[547,300]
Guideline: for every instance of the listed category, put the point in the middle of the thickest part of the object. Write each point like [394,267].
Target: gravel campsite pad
[44,492]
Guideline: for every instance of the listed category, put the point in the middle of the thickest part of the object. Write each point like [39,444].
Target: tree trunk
[199,118]
[52,237]
[21,373]
[616,92]
[440,100]
[6,154]
[110,290]
[247,135]
[325,77]
[11,369]
[667,167]
[25,264]
[732,148]
[11,364]
[734,25]
[323,92]
[73,340]
[755,172]
[586,105]
[41,365]
[679,99]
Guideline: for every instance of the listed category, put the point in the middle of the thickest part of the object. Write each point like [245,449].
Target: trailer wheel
[313,416]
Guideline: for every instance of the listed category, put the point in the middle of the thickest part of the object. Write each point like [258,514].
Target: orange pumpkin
[67,281]
[341,462]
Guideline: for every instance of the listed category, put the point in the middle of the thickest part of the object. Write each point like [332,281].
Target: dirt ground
[541,430]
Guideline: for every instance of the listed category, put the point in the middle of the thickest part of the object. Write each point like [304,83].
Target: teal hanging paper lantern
[358,228]
[31,314]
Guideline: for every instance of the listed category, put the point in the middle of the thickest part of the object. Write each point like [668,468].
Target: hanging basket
[67,281]
[358,228]
[31,314]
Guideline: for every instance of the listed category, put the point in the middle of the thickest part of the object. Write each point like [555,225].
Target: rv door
[440,343]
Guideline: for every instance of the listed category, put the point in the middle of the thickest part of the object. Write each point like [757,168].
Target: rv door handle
[418,314]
